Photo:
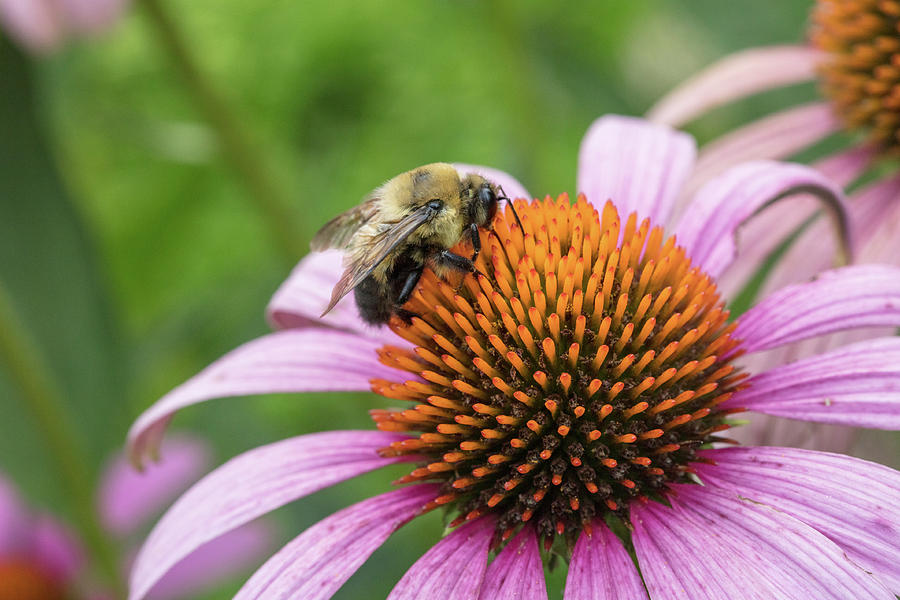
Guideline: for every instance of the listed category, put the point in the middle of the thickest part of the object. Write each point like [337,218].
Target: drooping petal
[36,24]
[510,184]
[774,137]
[517,573]
[852,501]
[56,548]
[129,498]
[318,562]
[639,166]
[857,296]
[300,300]
[713,544]
[709,223]
[453,569]
[601,569]
[302,360]
[765,232]
[250,486]
[856,385]
[735,76]
[222,559]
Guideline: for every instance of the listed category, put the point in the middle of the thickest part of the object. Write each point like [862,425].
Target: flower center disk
[21,580]
[579,374]
[861,74]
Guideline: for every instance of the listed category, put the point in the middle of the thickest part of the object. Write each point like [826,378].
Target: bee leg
[455,261]
[476,241]
[406,315]
[412,279]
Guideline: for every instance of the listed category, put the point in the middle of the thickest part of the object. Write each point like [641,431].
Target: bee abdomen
[374,301]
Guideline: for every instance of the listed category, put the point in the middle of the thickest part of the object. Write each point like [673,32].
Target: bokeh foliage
[136,256]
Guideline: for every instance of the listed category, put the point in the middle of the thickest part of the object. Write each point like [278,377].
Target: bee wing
[338,232]
[360,264]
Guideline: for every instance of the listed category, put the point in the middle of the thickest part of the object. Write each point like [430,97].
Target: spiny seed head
[582,372]
[23,580]
[861,73]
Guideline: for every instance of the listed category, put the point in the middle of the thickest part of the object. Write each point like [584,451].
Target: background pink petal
[855,385]
[518,572]
[301,360]
[453,569]
[36,24]
[13,518]
[222,559]
[510,184]
[91,16]
[128,498]
[735,76]
[250,486]
[852,501]
[708,226]
[56,548]
[601,569]
[318,562]
[713,544]
[639,166]
[857,296]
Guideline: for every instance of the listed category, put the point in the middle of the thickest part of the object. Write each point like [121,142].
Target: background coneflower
[568,400]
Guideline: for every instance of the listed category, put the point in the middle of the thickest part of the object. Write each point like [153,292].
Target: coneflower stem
[21,358]
[234,142]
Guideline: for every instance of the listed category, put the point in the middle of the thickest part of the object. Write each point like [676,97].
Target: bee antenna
[512,207]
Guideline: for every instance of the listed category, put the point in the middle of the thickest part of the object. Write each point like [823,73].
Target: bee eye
[435,204]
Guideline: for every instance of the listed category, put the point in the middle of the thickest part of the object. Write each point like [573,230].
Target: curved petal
[707,228]
[518,572]
[318,562]
[301,360]
[453,569]
[857,385]
[639,166]
[13,518]
[128,498]
[250,486]
[735,76]
[601,569]
[714,544]
[300,300]
[510,184]
[852,501]
[774,137]
[858,296]
[214,563]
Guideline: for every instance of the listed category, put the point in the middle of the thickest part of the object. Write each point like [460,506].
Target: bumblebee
[409,223]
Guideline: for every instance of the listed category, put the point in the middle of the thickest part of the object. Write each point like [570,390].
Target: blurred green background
[138,242]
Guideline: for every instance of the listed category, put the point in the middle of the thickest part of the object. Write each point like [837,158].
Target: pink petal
[510,184]
[303,296]
[303,360]
[713,544]
[736,76]
[852,501]
[36,24]
[709,224]
[762,234]
[517,572]
[763,430]
[774,137]
[639,166]
[877,215]
[858,296]
[14,518]
[56,549]
[601,569]
[91,16]
[318,562]
[220,560]
[252,485]
[129,498]
[856,385]
[453,569]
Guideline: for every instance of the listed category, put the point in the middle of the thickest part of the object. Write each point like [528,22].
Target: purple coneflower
[41,559]
[569,401]
[854,54]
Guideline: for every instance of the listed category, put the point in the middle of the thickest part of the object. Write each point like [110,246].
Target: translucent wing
[338,232]
[362,261]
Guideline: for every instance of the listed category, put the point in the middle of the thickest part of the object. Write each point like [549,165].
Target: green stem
[236,148]
[22,359]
